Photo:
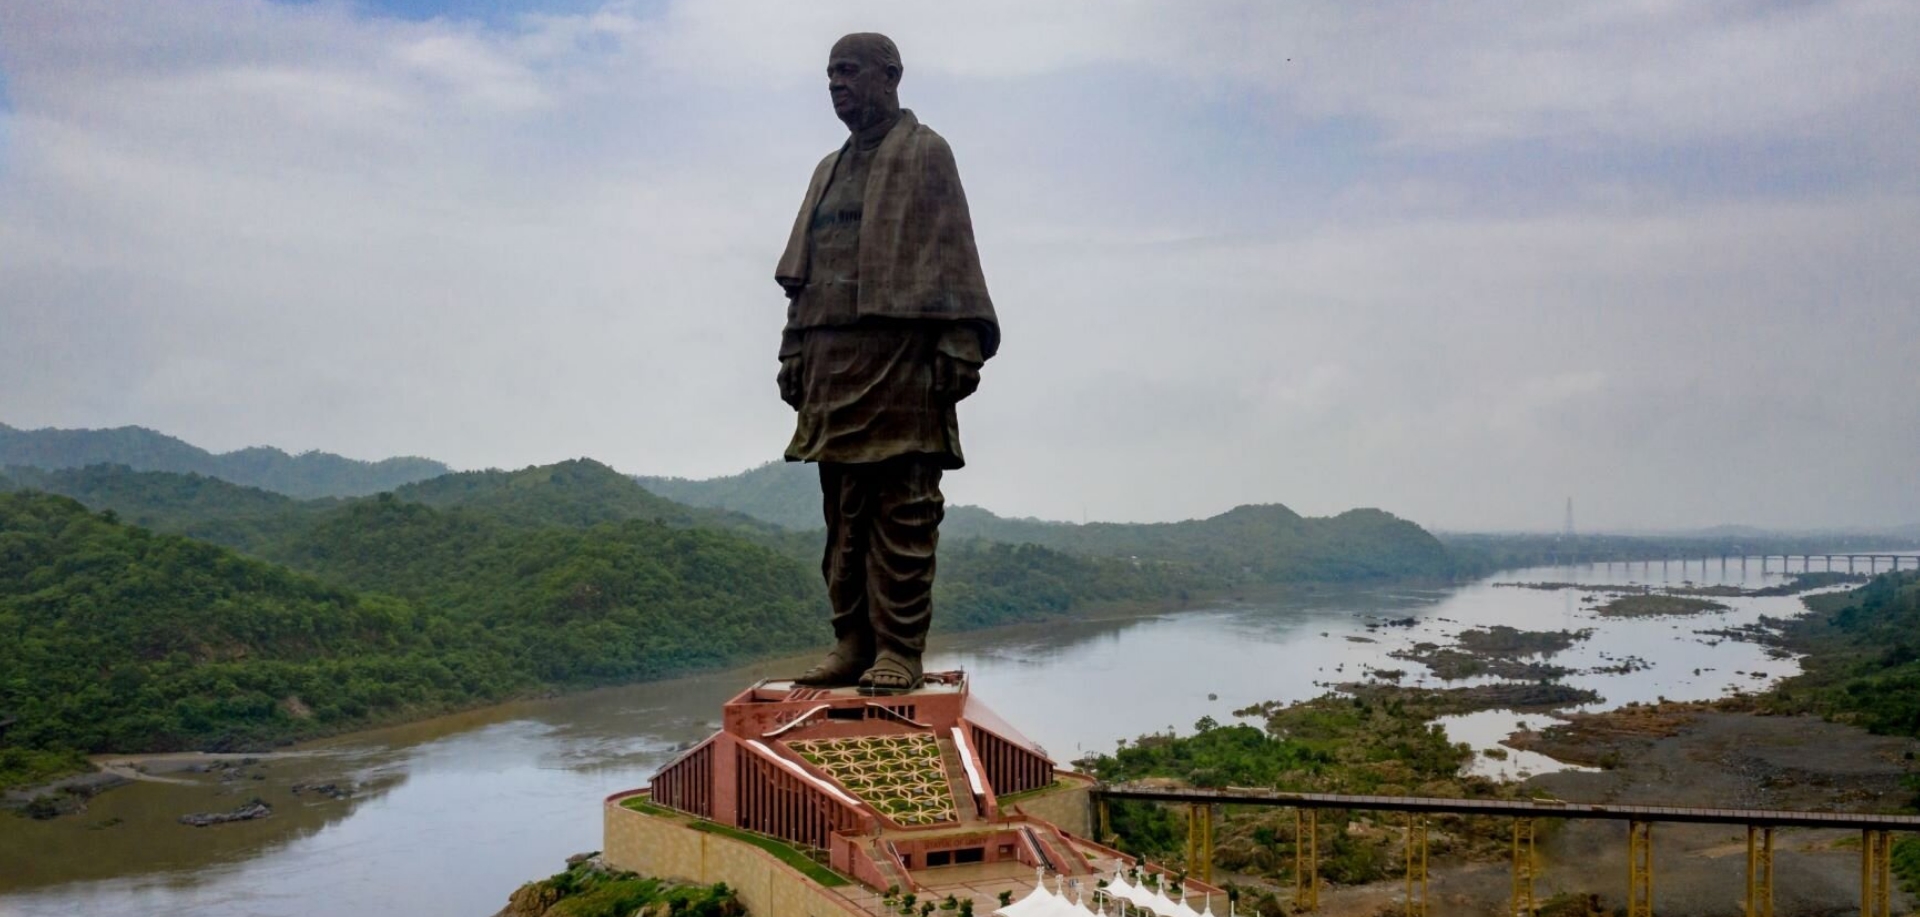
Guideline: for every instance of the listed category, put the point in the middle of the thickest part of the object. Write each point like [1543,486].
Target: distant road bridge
[1853,561]
[1876,839]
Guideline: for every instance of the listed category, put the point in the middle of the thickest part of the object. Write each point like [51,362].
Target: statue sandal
[891,674]
[840,669]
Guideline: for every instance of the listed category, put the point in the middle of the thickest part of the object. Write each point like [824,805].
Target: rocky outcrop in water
[256,808]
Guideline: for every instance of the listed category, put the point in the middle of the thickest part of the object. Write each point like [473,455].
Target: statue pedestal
[927,791]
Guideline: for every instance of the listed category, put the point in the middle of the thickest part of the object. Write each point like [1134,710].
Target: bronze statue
[888,322]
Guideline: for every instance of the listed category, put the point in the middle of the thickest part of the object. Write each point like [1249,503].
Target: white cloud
[245,222]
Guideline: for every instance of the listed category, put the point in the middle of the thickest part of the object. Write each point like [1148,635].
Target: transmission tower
[1567,533]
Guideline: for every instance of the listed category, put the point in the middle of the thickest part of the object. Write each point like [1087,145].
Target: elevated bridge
[1876,838]
[1856,562]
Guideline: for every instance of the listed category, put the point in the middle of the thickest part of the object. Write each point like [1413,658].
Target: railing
[1876,841]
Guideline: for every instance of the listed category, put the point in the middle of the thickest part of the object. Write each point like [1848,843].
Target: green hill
[474,587]
[121,639]
[309,474]
[1269,544]
[433,540]
[210,509]
[575,493]
[611,602]
[784,493]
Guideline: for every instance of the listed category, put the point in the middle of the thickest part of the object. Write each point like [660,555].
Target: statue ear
[893,76]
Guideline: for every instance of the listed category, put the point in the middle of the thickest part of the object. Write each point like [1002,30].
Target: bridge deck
[1517,808]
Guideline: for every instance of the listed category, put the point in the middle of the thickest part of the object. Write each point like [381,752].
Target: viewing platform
[819,801]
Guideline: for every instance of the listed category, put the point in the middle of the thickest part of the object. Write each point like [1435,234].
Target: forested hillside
[1863,662]
[309,474]
[353,542]
[201,507]
[1266,544]
[117,638]
[276,618]
[573,493]
[783,493]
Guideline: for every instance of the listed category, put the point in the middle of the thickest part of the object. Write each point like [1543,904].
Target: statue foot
[892,673]
[840,669]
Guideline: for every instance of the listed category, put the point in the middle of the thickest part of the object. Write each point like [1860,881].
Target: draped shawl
[917,258]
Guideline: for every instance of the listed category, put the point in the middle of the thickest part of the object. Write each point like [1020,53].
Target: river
[448,816]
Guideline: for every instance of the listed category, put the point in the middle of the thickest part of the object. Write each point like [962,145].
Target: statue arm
[961,341]
[956,360]
[790,334]
[790,368]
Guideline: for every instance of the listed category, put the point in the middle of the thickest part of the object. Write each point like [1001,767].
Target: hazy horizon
[1456,262]
[1438,529]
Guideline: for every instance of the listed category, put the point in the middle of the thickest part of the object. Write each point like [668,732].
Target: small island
[1647,606]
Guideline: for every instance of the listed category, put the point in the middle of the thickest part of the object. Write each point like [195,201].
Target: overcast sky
[1459,261]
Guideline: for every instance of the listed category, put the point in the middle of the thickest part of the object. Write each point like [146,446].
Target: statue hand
[789,380]
[954,379]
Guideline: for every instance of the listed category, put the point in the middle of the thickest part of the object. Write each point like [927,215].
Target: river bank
[63,789]
[1718,752]
[67,788]
[451,814]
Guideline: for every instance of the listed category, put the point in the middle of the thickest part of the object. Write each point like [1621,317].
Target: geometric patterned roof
[900,776]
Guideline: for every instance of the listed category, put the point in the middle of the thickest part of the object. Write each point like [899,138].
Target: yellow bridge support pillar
[1522,903]
[1759,871]
[1640,869]
[1200,842]
[1306,859]
[1876,873]
[1416,866]
[1106,822]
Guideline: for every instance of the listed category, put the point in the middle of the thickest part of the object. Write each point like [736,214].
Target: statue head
[863,76]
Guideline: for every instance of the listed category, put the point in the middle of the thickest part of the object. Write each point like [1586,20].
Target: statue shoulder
[932,149]
[825,167]
[928,139]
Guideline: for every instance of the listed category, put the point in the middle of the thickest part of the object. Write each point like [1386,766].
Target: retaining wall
[668,849]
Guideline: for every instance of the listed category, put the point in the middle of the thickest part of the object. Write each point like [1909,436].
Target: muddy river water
[449,816]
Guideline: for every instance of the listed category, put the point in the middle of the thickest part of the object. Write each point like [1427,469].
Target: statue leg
[846,504]
[905,531]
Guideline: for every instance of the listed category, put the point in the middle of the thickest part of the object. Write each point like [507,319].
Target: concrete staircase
[957,785]
[1060,854]
[883,857]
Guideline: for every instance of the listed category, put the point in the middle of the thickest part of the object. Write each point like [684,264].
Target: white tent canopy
[1150,899]
[1121,889]
[1142,898]
[1043,903]
[1037,903]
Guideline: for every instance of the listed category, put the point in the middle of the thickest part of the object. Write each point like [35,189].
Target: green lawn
[640,804]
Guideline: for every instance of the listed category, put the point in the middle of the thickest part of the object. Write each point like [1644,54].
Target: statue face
[861,89]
